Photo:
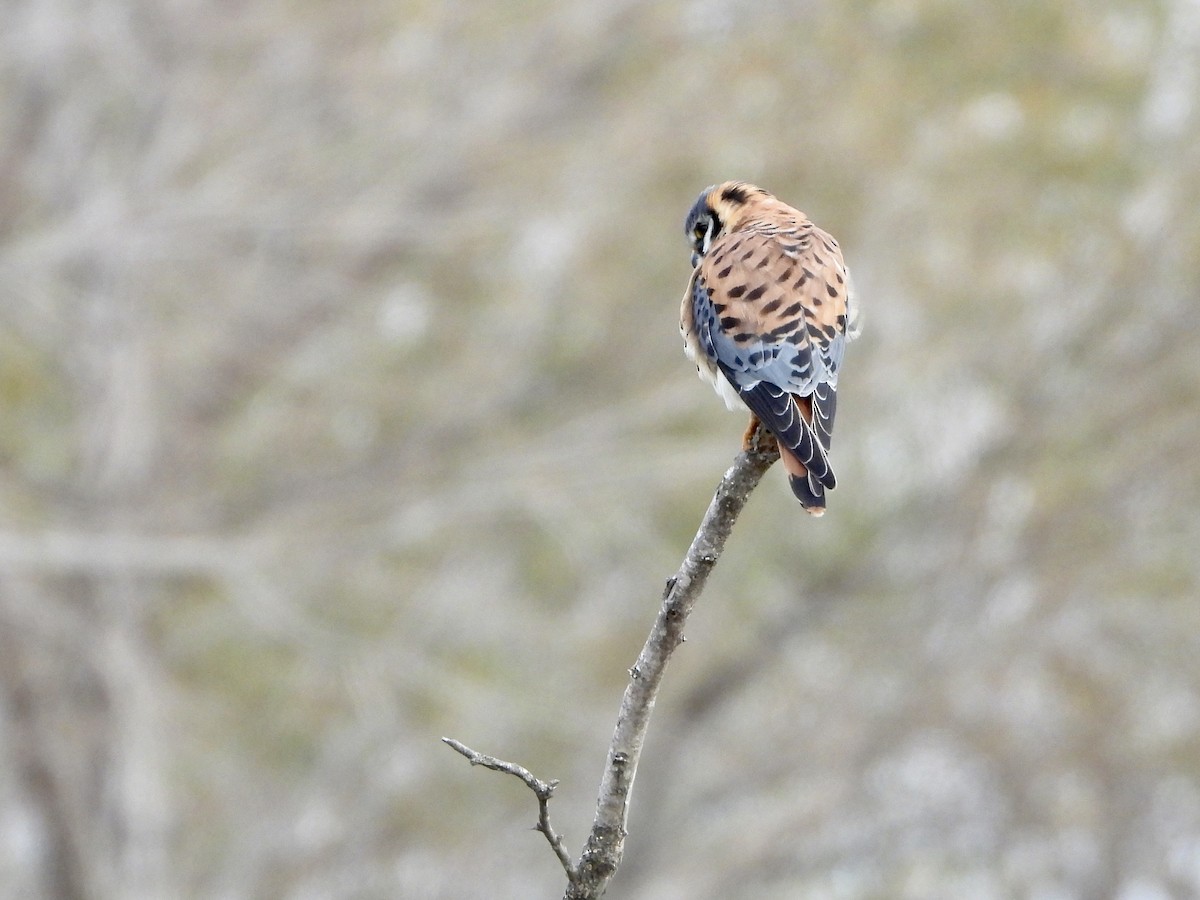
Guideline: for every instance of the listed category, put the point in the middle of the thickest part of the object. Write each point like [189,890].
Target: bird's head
[719,209]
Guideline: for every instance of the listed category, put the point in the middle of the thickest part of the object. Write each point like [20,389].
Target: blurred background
[342,407]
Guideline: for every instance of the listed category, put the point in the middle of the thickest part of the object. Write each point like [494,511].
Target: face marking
[735,194]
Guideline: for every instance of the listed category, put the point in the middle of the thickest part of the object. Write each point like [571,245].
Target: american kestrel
[766,317]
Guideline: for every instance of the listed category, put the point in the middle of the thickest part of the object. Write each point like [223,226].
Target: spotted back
[770,304]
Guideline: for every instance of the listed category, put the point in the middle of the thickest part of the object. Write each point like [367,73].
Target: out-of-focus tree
[342,407]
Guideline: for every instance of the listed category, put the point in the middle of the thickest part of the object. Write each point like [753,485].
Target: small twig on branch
[543,790]
[605,847]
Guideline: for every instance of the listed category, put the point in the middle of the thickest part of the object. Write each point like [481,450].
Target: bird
[766,317]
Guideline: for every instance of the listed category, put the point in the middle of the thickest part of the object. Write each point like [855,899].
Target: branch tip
[543,790]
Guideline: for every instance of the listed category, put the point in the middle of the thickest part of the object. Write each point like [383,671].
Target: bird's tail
[808,486]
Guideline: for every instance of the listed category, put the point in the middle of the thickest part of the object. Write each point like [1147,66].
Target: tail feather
[802,426]
[790,419]
[806,485]
[823,409]
[809,491]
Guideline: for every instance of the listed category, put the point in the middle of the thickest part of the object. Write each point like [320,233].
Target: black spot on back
[757,292]
[778,334]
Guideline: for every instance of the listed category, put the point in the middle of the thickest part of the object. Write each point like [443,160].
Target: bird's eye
[700,230]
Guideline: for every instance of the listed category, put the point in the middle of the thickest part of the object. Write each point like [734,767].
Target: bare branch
[606,844]
[544,790]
